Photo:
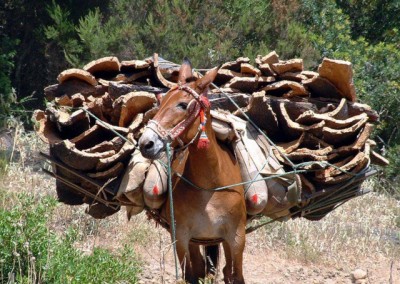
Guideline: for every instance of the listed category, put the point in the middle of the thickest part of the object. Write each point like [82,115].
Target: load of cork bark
[301,139]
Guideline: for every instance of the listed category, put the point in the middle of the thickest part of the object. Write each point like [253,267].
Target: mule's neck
[204,166]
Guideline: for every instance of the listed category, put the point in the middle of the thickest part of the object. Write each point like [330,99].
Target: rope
[297,168]
[171,206]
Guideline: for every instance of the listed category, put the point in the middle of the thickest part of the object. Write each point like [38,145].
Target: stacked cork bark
[96,114]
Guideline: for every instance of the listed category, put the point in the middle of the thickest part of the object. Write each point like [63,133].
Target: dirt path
[267,266]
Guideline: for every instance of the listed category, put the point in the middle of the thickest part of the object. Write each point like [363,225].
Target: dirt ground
[263,266]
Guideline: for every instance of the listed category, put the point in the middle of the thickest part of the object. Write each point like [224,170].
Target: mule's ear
[185,72]
[205,81]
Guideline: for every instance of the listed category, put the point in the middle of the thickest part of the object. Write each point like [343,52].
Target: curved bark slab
[133,65]
[321,87]
[249,84]
[340,73]
[159,75]
[286,89]
[293,76]
[133,104]
[292,65]
[310,117]
[112,172]
[261,112]
[362,162]
[77,159]
[46,129]
[79,74]
[121,155]
[337,136]
[105,64]
[359,143]
[291,146]
[235,65]
[378,159]
[294,129]
[247,68]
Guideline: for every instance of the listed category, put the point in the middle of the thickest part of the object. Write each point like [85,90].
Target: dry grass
[365,227]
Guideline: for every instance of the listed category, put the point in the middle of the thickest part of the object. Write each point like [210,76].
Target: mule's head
[178,119]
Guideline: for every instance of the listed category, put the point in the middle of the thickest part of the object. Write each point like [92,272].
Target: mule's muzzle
[150,145]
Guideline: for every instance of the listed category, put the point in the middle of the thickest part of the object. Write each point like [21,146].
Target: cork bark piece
[105,64]
[286,88]
[136,122]
[340,73]
[134,103]
[132,65]
[293,76]
[309,74]
[112,172]
[310,118]
[346,165]
[224,75]
[249,84]
[235,65]
[294,129]
[260,111]
[270,58]
[68,125]
[247,68]
[45,128]
[121,155]
[335,136]
[266,69]
[77,159]
[291,146]
[292,65]
[359,163]
[322,87]
[378,159]
[79,74]
[359,143]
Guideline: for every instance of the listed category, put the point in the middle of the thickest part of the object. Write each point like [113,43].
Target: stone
[358,274]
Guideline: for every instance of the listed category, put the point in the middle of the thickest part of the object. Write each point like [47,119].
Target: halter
[196,107]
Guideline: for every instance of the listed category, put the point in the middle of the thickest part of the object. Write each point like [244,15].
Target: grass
[43,241]
[365,227]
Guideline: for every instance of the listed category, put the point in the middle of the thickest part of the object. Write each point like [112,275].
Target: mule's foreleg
[184,254]
[233,248]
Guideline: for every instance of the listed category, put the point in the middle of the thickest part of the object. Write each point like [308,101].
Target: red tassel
[203,142]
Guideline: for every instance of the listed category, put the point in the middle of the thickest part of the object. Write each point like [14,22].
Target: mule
[202,216]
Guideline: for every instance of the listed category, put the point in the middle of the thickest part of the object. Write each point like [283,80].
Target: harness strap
[199,102]
[171,134]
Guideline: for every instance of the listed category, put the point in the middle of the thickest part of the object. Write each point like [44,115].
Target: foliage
[33,253]
[72,33]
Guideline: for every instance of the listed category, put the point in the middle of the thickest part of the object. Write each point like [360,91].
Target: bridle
[198,106]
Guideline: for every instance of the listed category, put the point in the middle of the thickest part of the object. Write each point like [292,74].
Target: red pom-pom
[203,142]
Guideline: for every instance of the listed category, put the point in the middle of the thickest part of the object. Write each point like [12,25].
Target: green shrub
[33,253]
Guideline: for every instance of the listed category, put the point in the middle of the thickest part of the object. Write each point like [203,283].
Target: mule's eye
[182,106]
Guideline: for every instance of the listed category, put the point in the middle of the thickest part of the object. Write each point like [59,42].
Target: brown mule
[201,215]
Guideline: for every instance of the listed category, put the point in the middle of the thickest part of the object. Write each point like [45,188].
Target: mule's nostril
[149,145]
